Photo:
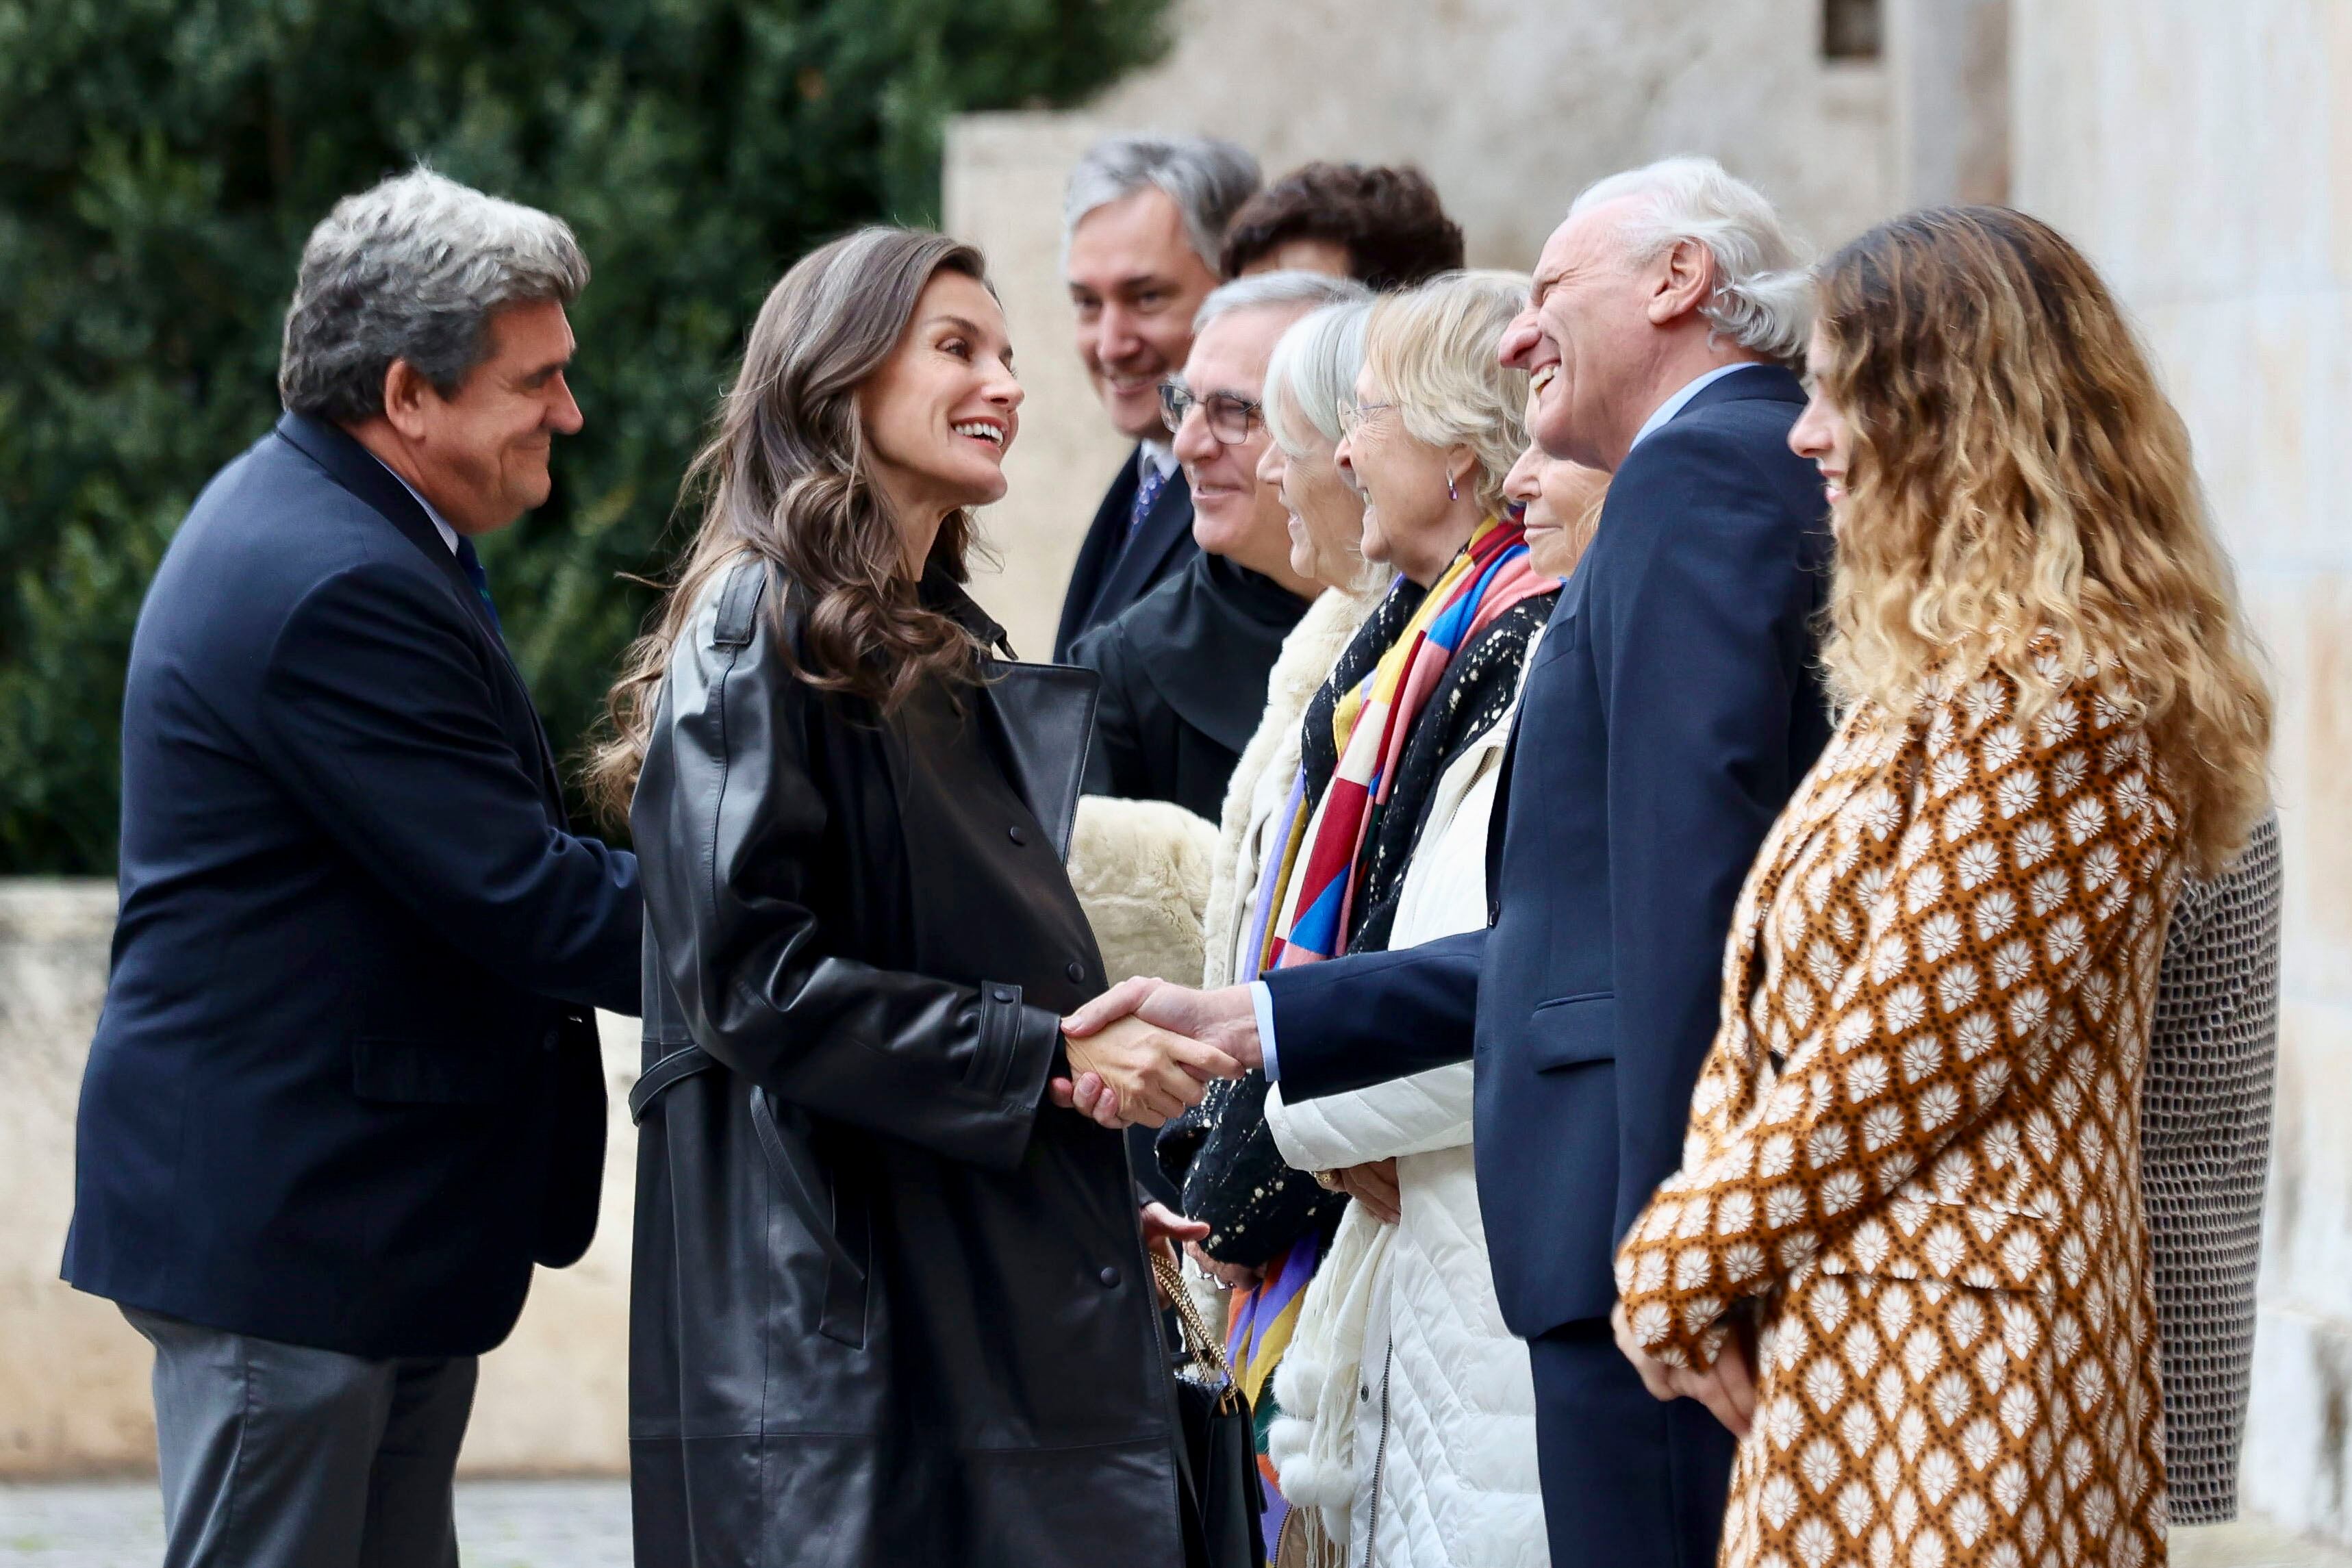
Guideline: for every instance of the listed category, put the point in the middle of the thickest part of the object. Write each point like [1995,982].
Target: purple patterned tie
[1146,493]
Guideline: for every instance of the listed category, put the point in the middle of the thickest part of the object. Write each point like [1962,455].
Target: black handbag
[1223,1497]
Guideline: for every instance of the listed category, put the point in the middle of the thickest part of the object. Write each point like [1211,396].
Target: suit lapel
[1046,714]
[355,468]
[1164,530]
[1099,549]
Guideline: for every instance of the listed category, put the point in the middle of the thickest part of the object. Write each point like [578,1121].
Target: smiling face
[1326,518]
[1234,515]
[939,412]
[1822,434]
[1554,498]
[1589,342]
[1411,520]
[480,456]
[1135,282]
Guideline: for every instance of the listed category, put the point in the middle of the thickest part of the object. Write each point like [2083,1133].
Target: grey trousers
[277,1455]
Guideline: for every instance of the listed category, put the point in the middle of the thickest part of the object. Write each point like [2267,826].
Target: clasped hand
[1144,1051]
[1728,1388]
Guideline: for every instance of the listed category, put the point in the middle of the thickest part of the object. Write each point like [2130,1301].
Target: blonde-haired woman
[1913,1173]
[1381,840]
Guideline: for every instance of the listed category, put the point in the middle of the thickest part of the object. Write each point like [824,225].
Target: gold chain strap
[1196,1332]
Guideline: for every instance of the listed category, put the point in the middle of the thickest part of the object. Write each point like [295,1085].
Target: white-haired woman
[1380,840]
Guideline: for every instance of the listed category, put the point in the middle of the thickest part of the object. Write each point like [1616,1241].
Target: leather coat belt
[790,1165]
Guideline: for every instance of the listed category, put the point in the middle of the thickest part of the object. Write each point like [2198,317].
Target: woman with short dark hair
[890,1304]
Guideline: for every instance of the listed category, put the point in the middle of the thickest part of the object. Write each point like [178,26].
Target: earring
[1451,493]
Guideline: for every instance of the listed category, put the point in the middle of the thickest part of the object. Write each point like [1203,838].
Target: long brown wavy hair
[2017,474]
[784,477]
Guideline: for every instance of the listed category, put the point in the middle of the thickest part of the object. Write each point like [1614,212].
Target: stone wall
[2203,154]
[73,1374]
[1510,106]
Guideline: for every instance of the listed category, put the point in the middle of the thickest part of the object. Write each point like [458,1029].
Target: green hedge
[165,159]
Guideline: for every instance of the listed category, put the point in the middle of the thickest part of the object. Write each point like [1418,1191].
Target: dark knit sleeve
[1472,697]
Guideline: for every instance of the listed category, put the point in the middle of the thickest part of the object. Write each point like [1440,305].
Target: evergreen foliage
[165,159]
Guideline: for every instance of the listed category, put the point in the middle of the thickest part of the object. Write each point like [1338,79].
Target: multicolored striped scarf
[1260,1322]
[1313,881]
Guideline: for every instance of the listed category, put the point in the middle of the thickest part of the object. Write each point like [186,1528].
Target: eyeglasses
[1353,415]
[1230,419]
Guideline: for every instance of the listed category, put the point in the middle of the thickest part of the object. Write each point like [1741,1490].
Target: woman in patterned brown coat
[1909,1199]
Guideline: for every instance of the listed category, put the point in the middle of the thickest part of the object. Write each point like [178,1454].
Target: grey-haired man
[346,1092]
[1142,221]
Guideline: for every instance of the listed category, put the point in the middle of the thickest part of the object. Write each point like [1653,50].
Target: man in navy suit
[346,1089]
[1670,710]
[1141,222]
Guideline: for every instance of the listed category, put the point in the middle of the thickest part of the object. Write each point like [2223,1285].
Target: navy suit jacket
[1113,571]
[1670,710]
[345,1089]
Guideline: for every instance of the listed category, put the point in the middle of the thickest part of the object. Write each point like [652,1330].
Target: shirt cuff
[1262,1004]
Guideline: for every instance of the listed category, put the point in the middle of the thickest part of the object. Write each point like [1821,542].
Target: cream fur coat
[1166,892]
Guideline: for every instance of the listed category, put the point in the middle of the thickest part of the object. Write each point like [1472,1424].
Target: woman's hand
[1374,1185]
[1728,1388]
[1232,1275]
[1152,1073]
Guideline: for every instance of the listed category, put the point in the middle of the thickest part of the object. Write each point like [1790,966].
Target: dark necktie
[1146,493]
[480,580]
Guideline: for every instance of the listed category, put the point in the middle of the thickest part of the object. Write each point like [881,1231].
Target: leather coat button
[1110,1277]
[1076,970]
[1001,995]
[1015,835]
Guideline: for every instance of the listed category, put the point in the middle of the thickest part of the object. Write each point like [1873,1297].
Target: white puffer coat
[1409,1409]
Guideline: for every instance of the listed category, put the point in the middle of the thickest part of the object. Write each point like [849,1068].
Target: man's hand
[1728,1388]
[1374,1185]
[1136,1072]
[1223,1020]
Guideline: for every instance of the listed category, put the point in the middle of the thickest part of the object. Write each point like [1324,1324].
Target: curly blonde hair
[2018,483]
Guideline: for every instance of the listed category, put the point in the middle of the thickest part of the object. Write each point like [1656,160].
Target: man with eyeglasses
[1184,670]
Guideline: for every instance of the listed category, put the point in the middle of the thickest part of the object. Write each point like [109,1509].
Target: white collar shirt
[440,524]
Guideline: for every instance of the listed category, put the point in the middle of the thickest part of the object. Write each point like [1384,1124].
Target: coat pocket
[1974,1244]
[843,1232]
[1573,1030]
[433,1072]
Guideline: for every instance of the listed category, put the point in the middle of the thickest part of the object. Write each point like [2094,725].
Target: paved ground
[500,1525]
[585,1524]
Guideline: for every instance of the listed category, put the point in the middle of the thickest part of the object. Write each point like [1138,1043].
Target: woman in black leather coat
[891,1306]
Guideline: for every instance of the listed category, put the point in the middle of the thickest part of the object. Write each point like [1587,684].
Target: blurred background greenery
[165,159]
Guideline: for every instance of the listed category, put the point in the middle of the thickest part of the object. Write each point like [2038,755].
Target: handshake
[1145,1049]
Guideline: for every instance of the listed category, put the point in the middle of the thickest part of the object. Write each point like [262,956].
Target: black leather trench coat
[890,1307]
